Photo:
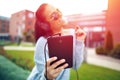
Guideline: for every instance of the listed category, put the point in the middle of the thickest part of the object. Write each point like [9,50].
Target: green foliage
[116,51]
[3,42]
[10,71]
[21,58]
[108,41]
[2,51]
[108,45]
[29,36]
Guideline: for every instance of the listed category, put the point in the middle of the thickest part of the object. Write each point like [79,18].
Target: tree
[108,41]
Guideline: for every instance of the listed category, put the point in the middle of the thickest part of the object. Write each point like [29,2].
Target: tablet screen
[61,47]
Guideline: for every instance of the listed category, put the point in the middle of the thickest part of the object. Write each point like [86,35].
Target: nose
[63,21]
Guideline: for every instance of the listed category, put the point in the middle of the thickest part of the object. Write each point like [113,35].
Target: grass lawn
[86,71]
[92,72]
[21,54]
[22,58]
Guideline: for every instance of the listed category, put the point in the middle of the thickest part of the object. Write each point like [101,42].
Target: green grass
[22,58]
[92,72]
[21,54]
[86,71]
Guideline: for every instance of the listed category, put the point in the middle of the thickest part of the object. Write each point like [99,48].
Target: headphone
[43,25]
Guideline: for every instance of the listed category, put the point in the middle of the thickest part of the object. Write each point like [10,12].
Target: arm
[38,71]
[78,55]
[79,47]
[35,75]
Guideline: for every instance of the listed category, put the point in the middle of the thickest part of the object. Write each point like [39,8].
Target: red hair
[42,27]
[40,12]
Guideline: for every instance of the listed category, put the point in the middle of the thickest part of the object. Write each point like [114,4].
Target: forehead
[49,10]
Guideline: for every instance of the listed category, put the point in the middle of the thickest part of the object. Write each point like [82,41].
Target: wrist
[47,77]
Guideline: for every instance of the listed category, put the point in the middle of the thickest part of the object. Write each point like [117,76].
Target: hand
[52,71]
[80,34]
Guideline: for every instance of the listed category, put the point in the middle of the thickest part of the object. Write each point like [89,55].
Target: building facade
[94,25]
[113,19]
[4,28]
[21,23]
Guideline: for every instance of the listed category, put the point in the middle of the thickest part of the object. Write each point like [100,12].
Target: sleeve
[35,75]
[78,54]
[38,71]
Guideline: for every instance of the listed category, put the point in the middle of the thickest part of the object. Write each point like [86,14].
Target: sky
[68,7]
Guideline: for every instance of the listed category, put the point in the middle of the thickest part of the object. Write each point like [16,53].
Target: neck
[57,31]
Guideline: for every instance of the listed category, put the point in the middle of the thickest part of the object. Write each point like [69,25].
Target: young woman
[49,21]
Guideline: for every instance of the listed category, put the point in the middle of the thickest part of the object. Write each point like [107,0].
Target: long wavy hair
[42,27]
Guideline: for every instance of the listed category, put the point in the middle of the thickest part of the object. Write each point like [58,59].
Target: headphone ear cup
[43,26]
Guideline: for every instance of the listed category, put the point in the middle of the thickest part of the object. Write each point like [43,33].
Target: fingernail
[55,57]
[63,60]
[66,64]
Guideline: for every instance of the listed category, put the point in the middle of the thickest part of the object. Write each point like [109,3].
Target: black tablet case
[62,47]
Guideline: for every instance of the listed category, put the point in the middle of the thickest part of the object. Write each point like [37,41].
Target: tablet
[62,48]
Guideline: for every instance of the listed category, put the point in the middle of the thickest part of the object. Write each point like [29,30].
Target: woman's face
[54,17]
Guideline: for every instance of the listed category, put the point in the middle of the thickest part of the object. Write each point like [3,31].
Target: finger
[51,60]
[57,63]
[59,69]
[80,34]
[76,28]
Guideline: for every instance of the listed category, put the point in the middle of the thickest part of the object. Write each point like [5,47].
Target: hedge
[10,71]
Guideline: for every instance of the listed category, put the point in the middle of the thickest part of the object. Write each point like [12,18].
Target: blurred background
[99,18]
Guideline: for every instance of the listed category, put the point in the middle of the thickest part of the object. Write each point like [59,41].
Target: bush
[101,50]
[21,58]
[108,41]
[2,51]
[116,51]
[108,45]
[10,71]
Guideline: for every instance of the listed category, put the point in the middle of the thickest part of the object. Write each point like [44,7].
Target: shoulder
[41,41]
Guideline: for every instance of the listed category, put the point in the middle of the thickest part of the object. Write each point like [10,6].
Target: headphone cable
[77,74]
[45,60]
